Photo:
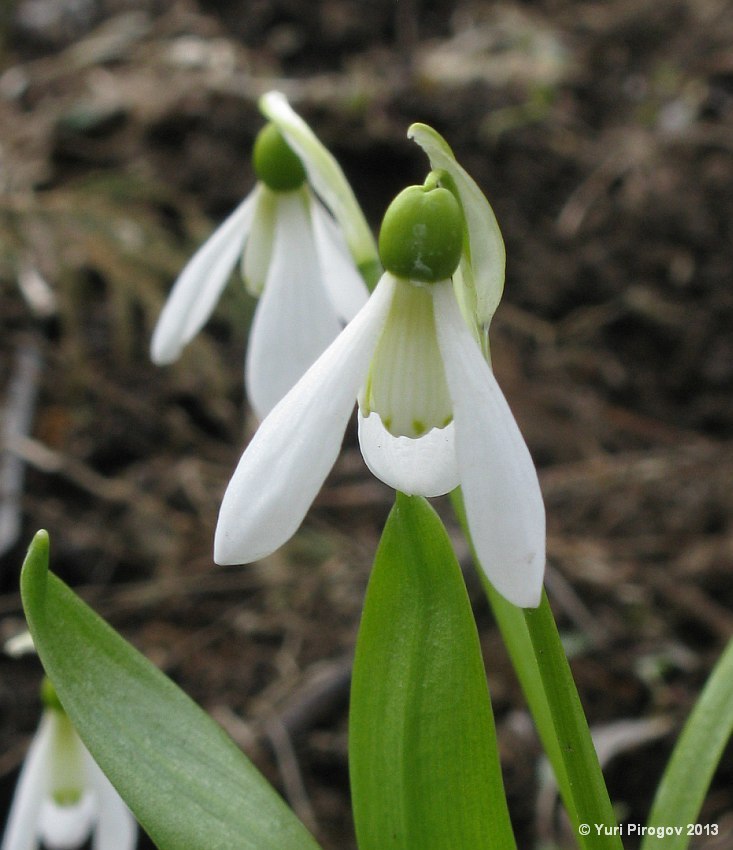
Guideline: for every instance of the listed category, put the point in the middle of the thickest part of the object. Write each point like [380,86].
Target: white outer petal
[345,285]
[422,466]
[294,321]
[504,507]
[67,827]
[284,466]
[198,287]
[21,830]
[116,827]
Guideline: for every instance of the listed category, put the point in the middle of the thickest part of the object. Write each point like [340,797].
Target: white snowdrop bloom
[301,239]
[431,413]
[62,797]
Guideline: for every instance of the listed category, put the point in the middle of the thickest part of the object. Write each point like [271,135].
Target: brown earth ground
[602,132]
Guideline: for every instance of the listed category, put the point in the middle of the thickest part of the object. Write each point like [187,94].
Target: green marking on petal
[274,162]
[66,762]
[418,427]
[67,797]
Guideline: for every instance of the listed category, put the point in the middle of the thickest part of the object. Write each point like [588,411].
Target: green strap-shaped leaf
[424,766]
[682,790]
[539,660]
[187,783]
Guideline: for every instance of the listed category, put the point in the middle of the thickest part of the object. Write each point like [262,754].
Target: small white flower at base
[431,414]
[62,797]
[294,257]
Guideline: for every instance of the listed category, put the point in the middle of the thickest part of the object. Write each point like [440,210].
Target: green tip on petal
[274,162]
[422,234]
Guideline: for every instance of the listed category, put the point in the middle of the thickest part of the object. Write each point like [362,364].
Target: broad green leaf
[682,790]
[424,767]
[187,783]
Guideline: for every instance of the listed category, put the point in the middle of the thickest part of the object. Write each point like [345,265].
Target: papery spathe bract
[480,278]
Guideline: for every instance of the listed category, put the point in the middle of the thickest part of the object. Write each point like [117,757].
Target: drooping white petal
[116,827]
[21,830]
[325,175]
[485,267]
[294,449]
[504,507]
[67,827]
[422,466]
[295,320]
[197,290]
[345,285]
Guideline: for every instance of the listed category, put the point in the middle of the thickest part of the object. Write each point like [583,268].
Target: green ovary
[275,163]
[406,384]
[421,237]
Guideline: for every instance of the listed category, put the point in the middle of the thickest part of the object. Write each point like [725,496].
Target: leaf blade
[424,764]
[188,784]
[690,769]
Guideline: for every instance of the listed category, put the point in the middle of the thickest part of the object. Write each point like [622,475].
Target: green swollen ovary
[421,237]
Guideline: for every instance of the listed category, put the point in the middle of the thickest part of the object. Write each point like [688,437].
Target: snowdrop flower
[62,796]
[301,239]
[431,414]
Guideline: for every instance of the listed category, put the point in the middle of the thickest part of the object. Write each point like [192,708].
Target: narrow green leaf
[539,660]
[187,783]
[681,793]
[424,766]
[584,776]
[515,634]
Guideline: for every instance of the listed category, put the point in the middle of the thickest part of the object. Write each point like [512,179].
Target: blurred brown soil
[602,133]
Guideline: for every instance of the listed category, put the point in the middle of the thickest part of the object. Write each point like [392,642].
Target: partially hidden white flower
[295,257]
[62,797]
[431,416]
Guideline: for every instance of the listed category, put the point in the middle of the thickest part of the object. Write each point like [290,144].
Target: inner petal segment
[406,384]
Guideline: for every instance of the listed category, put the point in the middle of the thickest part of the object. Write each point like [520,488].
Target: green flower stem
[534,646]
[681,792]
